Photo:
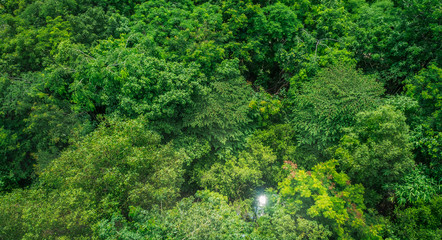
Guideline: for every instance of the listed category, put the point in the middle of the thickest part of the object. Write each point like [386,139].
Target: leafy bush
[416,188]
[118,165]
[328,197]
[420,222]
[327,104]
[377,150]
[205,216]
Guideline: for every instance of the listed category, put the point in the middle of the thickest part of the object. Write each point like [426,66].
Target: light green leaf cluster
[240,175]
[324,193]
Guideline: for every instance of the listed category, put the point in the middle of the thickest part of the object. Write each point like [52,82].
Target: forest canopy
[229,119]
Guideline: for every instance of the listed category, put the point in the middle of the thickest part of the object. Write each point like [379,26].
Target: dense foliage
[167,119]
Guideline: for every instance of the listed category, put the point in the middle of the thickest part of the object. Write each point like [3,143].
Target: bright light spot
[262,200]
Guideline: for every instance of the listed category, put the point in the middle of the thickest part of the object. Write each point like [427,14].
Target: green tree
[43,214]
[205,216]
[35,125]
[416,188]
[396,39]
[276,220]
[32,30]
[221,113]
[16,164]
[323,107]
[426,89]
[419,222]
[327,196]
[175,97]
[239,176]
[27,48]
[115,166]
[377,150]
[121,164]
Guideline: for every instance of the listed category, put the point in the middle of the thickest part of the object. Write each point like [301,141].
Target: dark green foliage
[35,127]
[221,113]
[327,104]
[175,97]
[88,26]
[15,103]
[205,216]
[184,33]
[128,81]
[377,24]
[24,50]
[420,35]
[398,40]
[421,221]
[118,165]
[31,33]
[426,89]
[13,168]
[376,151]
[416,188]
